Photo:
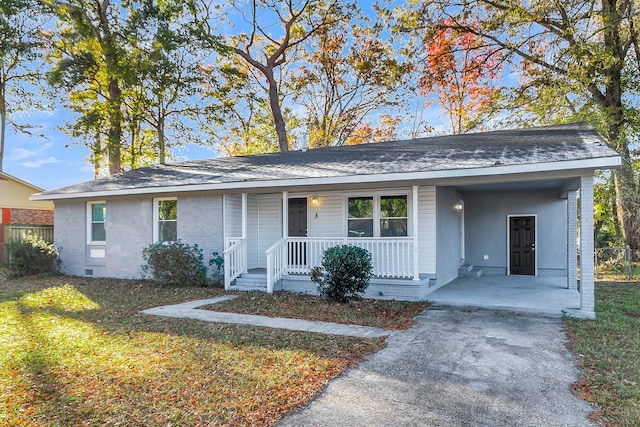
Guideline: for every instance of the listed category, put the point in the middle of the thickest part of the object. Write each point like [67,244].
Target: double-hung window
[96,220]
[165,212]
[360,221]
[377,216]
[393,216]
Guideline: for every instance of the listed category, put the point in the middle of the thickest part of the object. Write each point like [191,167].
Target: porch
[273,240]
[537,294]
[290,259]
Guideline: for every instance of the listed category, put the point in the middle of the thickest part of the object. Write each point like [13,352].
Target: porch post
[587,297]
[285,214]
[244,231]
[572,240]
[414,215]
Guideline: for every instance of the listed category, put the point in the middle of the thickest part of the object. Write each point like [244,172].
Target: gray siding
[200,222]
[331,220]
[427,229]
[129,229]
[233,215]
[70,235]
[448,235]
[486,228]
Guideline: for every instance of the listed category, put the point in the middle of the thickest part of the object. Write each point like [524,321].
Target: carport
[534,294]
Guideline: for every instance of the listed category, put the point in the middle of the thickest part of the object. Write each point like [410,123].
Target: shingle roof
[531,146]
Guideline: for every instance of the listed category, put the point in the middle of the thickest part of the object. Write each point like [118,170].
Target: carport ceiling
[550,184]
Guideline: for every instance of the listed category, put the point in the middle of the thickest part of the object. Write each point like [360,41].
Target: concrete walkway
[189,310]
[458,367]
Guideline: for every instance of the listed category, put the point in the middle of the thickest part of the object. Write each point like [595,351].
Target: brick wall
[31,217]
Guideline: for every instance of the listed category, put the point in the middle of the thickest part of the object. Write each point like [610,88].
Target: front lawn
[76,352]
[609,352]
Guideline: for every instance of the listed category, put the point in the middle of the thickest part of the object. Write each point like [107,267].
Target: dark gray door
[298,228]
[298,217]
[522,245]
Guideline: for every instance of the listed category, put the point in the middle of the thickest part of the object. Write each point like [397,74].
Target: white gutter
[599,163]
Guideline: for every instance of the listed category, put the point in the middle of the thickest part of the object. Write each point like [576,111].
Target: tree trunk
[276,110]
[97,150]
[115,128]
[161,140]
[3,117]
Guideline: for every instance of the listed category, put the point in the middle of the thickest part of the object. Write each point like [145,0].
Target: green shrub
[33,255]
[175,263]
[218,276]
[345,273]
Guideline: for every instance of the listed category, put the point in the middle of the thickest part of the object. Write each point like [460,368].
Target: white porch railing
[231,241]
[276,262]
[235,261]
[390,256]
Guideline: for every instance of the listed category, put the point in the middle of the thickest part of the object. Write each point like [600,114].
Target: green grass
[367,312]
[609,352]
[76,352]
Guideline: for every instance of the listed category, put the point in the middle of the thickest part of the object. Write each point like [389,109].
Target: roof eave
[571,165]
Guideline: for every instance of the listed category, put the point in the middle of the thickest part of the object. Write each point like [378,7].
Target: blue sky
[58,160]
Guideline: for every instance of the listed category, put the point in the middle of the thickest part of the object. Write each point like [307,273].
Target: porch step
[475,273]
[470,271]
[250,282]
[465,270]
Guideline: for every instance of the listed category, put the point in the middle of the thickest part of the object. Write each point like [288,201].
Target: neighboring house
[504,202]
[18,214]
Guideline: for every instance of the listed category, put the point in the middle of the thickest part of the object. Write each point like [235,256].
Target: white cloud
[40,162]
[23,153]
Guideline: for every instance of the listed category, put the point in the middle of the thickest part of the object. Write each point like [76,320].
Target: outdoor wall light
[458,207]
[314,200]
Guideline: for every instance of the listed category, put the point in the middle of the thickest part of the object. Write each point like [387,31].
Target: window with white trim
[377,216]
[96,220]
[360,221]
[393,216]
[165,222]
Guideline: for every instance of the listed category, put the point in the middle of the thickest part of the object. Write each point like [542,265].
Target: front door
[298,217]
[298,228]
[522,245]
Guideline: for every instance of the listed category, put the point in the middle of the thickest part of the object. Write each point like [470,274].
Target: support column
[244,215]
[244,232]
[414,220]
[587,292]
[285,214]
[572,240]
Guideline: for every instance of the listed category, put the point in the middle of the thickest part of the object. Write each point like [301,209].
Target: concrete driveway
[458,367]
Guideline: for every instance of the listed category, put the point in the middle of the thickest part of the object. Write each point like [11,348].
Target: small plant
[33,255]
[345,273]
[175,263]
[218,261]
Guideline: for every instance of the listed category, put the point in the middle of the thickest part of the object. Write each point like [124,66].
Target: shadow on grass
[79,352]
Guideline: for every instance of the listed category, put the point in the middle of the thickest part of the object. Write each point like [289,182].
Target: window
[383,216]
[393,216]
[360,221]
[166,220]
[97,217]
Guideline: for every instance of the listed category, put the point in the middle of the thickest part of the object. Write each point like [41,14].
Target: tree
[265,49]
[462,74]
[587,51]
[167,71]
[23,36]
[350,74]
[91,53]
